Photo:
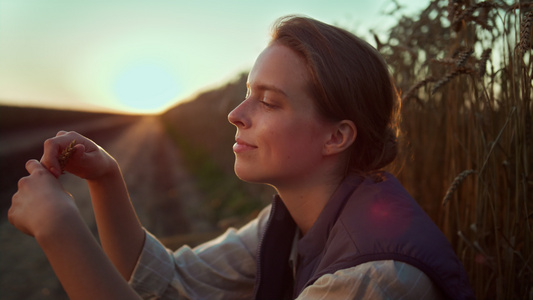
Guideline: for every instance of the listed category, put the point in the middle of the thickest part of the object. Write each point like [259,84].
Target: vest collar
[312,244]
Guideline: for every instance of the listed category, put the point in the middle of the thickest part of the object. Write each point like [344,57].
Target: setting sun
[145,87]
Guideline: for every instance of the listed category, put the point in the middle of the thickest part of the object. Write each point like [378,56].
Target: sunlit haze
[145,56]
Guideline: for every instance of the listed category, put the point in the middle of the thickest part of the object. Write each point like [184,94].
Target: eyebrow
[269,87]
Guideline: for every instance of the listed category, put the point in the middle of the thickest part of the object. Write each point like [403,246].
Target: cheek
[295,141]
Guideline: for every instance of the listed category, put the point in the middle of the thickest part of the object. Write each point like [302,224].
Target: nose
[239,116]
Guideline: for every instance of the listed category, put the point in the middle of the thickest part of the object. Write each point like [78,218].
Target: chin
[248,174]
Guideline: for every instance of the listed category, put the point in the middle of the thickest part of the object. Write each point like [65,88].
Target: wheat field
[465,76]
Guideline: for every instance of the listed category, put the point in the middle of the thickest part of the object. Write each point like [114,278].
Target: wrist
[64,224]
[111,173]
[108,188]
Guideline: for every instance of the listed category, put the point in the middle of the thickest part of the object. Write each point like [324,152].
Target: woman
[317,124]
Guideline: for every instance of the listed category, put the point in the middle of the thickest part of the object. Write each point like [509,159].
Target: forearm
[120,232]
[80,264]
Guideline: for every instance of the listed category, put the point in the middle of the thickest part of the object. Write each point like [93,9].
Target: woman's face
[280,135]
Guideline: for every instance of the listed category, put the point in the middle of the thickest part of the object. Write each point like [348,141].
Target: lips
[241,146]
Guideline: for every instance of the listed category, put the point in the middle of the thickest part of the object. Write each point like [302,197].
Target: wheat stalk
[462,57]
[482,66]
[455,185]
[415,87]
[525,33]
[467,14]
[529,131]
[519,5]
[444,61]
[66,154]
[451,9]
[443,81]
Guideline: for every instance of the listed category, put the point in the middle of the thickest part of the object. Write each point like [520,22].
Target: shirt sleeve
[385,279]
[223,268]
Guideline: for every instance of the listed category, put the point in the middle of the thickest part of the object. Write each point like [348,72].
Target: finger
[49,158]
[79,151]
[61,132]
[22,182]
[52,149]
[33,165]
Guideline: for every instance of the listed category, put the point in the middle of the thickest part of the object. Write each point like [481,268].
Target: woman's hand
[42,209]
[89,161]
[42,206]
[40,203]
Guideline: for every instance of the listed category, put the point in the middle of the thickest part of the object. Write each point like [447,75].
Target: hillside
[16,118]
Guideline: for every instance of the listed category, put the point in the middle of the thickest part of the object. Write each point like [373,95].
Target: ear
[342,136]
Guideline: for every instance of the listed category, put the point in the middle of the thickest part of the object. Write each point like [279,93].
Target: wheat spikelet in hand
[66,154]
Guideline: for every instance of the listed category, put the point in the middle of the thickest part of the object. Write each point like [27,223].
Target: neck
[305,201]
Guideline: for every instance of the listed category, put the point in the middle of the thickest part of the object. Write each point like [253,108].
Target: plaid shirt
[225,268]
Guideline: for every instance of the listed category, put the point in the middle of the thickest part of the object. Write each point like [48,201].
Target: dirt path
[160,189]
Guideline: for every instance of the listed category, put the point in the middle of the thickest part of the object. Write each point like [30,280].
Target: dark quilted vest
[364,221]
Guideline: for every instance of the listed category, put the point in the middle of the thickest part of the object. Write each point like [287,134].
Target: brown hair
[350,81]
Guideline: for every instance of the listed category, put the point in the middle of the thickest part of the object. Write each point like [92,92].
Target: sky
[143,56]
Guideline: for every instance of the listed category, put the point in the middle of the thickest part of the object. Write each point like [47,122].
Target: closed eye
[267,105]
